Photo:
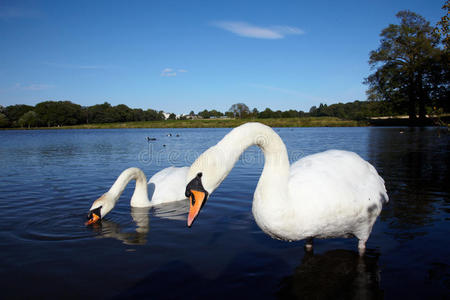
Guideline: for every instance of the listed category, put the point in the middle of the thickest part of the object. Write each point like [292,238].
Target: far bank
[218,123]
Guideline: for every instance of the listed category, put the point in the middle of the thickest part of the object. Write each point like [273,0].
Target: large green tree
[29,119]
[15,112]
[58,113]
[410,67]
[239,110]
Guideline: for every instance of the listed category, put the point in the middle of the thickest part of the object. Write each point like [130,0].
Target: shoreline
[395,121]
[213,123]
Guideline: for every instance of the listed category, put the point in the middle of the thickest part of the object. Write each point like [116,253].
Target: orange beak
[92,220]
[195,204]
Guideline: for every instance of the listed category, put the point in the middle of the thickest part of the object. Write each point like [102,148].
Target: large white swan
[329,194]
[167,185]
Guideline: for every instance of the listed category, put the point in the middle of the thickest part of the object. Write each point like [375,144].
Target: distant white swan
[329,194]
[167,186]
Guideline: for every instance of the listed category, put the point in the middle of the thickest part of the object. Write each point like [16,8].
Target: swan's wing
[168,185]
[336,181]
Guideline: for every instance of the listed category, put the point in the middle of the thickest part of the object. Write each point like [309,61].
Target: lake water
[49,180]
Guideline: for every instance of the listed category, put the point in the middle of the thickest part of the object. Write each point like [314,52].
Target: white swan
[167,185]
[329,194]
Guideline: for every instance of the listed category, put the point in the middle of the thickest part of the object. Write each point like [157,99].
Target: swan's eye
[192,197]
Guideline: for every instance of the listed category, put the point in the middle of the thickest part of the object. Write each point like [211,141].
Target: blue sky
[179,56]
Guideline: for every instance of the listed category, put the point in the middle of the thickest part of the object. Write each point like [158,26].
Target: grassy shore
[220,123]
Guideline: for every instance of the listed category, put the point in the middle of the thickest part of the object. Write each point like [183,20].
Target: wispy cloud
[169,72]
[252,31]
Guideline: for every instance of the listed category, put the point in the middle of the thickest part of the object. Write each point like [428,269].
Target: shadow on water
[336,274]
[180,280]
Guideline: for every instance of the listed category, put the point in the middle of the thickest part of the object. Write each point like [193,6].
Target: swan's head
[197,197]
[206,174]
[100,208]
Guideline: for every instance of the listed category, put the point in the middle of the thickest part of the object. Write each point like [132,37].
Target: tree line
[356,110]
[63,113]
[66,113]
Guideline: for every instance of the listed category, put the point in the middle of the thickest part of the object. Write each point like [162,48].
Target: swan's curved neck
[276,167]
[140,196]
[272,190]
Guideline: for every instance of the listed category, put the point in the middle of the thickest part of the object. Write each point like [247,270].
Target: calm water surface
[50,178]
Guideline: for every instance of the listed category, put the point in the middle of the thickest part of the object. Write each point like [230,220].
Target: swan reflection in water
[336,274]
[141,217]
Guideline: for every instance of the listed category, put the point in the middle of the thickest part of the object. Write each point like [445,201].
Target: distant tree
[229,114]
[410,66]
[289,114]
[101,113]
[239,110]
[172,116]
[267,113]
[192,113]
[4,122]
[15,112]
[313,111]
[123,113]
[136,115]
[152,115]
[29,119]
[255,113]
[205,114]
[215,113]
[57,113]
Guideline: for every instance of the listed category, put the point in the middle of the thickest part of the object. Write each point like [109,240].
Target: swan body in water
[329,194]
[166,186]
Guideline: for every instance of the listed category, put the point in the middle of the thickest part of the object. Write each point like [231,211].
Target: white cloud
[169,72]
[248,30]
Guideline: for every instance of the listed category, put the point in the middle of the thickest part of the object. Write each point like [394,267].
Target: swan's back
[168,185]
[336,193]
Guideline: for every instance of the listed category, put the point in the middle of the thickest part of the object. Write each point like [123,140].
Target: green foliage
[411,71]
[14,112]
[29,119]
[4,122]
[357,110]
[58,113]
[240,110]
[205,114]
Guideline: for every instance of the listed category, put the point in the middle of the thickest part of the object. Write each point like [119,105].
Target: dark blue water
[49,179]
